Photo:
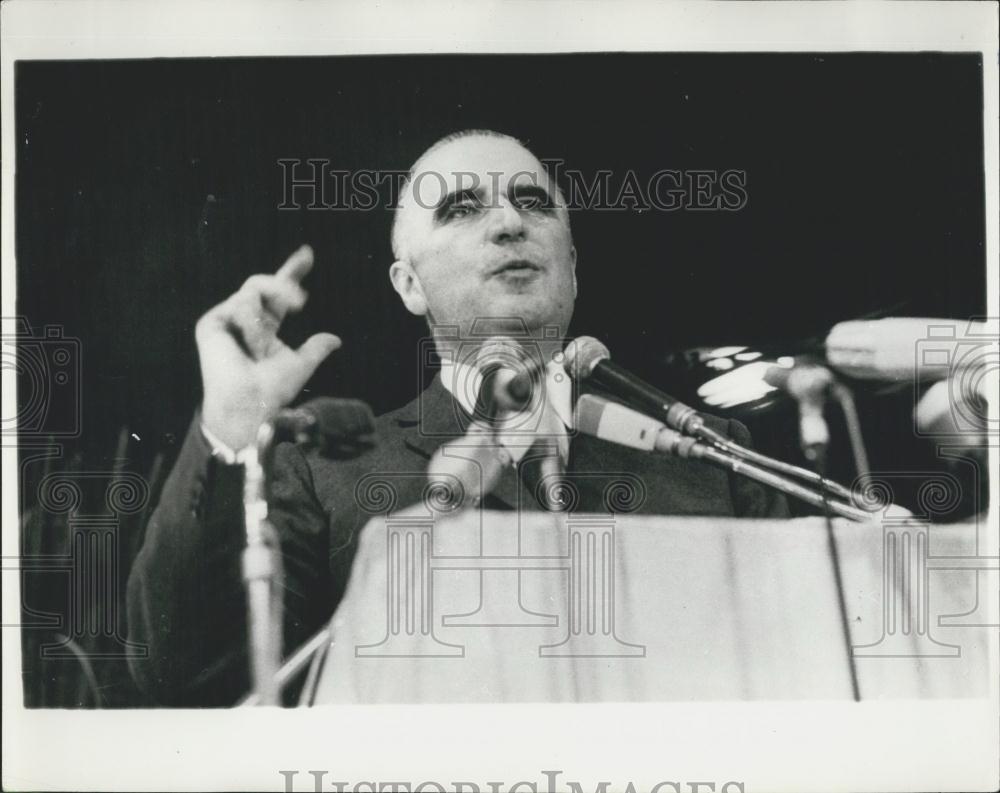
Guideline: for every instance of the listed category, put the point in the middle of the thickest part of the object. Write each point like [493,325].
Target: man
[480,232]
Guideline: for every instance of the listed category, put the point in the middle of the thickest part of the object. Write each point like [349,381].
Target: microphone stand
[815,383]
[738,465]
[845,398]
[811,393]
[294,665]
[838,579]
[262,572]
[810,385]
[323,420]
[828,485]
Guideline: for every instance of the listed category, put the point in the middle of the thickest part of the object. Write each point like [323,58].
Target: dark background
[147,191]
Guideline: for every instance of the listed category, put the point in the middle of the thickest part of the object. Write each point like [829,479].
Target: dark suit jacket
[185,595]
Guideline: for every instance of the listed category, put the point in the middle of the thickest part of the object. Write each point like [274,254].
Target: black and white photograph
[407,379]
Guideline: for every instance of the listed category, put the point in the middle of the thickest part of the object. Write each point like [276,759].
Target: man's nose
[506,223]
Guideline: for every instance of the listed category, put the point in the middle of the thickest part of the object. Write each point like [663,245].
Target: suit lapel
[431,419]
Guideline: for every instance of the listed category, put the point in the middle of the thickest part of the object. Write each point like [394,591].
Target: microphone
[463,471]
[509,379]
[907,348]
[336,426]
[589,359]
[808,384]
[947,410]
[322,420]
[619,424]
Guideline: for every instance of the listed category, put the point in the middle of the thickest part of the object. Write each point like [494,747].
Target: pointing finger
[298,265]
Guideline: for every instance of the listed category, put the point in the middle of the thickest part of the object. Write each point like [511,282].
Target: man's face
[482,236]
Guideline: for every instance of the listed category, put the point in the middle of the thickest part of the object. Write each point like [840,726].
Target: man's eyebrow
[455,197]
[532,190]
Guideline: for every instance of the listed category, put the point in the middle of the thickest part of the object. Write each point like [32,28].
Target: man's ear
[407,284]
[572,253]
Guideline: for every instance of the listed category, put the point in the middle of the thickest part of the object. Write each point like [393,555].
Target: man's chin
[518,313]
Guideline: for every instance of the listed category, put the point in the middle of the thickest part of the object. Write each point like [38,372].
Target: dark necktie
[541,472]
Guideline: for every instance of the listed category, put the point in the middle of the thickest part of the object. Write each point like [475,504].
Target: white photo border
[939,745]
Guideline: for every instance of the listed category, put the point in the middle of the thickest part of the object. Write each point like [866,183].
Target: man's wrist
[230,429]
[220,449]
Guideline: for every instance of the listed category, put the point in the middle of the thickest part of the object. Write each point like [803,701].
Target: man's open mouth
[516,267]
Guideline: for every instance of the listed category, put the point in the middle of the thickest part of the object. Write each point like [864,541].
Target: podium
[487,606]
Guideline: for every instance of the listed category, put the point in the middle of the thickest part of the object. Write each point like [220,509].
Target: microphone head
[777,376]
[339,428]
[804,380]
[611,421]
[340,419]
[588,412]
[582,355]
[500,351]
[902,349]
[508,378]
[474,364]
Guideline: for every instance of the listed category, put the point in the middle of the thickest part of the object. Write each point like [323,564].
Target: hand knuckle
[206,322]
[255,282]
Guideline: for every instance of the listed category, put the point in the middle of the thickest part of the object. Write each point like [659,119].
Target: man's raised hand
[248,373]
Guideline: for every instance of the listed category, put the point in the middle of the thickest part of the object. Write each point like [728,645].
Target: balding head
[482,231]
[429,181]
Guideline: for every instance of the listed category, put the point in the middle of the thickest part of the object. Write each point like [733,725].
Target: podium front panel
[545,607]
